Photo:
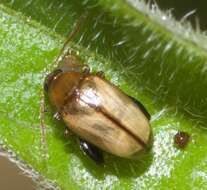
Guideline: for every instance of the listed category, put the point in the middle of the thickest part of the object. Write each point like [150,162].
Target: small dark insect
[181,139]
[99,113]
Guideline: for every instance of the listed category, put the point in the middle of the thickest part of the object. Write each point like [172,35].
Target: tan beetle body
[97,110]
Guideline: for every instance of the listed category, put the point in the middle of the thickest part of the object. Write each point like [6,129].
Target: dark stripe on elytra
[114,120]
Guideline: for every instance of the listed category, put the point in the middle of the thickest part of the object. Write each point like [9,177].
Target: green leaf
[144,51]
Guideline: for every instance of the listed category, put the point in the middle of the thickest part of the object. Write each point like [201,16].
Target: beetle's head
[60,83]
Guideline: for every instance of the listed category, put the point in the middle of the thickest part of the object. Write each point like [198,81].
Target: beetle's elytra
[97,111]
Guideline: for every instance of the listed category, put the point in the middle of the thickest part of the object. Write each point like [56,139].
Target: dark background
[182,7]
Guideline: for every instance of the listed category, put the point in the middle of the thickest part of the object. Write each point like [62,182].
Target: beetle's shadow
[119,167]
[112,165]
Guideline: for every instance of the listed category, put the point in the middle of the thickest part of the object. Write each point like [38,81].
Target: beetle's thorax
[64,87]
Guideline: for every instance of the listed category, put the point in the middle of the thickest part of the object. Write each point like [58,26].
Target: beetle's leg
[86,70]
[42,125]
[67,133]
[57,116]
[92,151]
[100,74]
[141,106]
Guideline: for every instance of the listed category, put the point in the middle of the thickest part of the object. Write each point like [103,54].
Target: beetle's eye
[50,77]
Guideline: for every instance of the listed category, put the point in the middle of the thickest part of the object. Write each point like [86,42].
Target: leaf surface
[147,54]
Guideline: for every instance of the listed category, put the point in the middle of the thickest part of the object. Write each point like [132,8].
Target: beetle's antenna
[42,126]
[71,35]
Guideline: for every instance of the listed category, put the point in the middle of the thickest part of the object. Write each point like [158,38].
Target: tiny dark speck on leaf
[181,139]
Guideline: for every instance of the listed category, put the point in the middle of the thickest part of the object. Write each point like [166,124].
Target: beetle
[97,111]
